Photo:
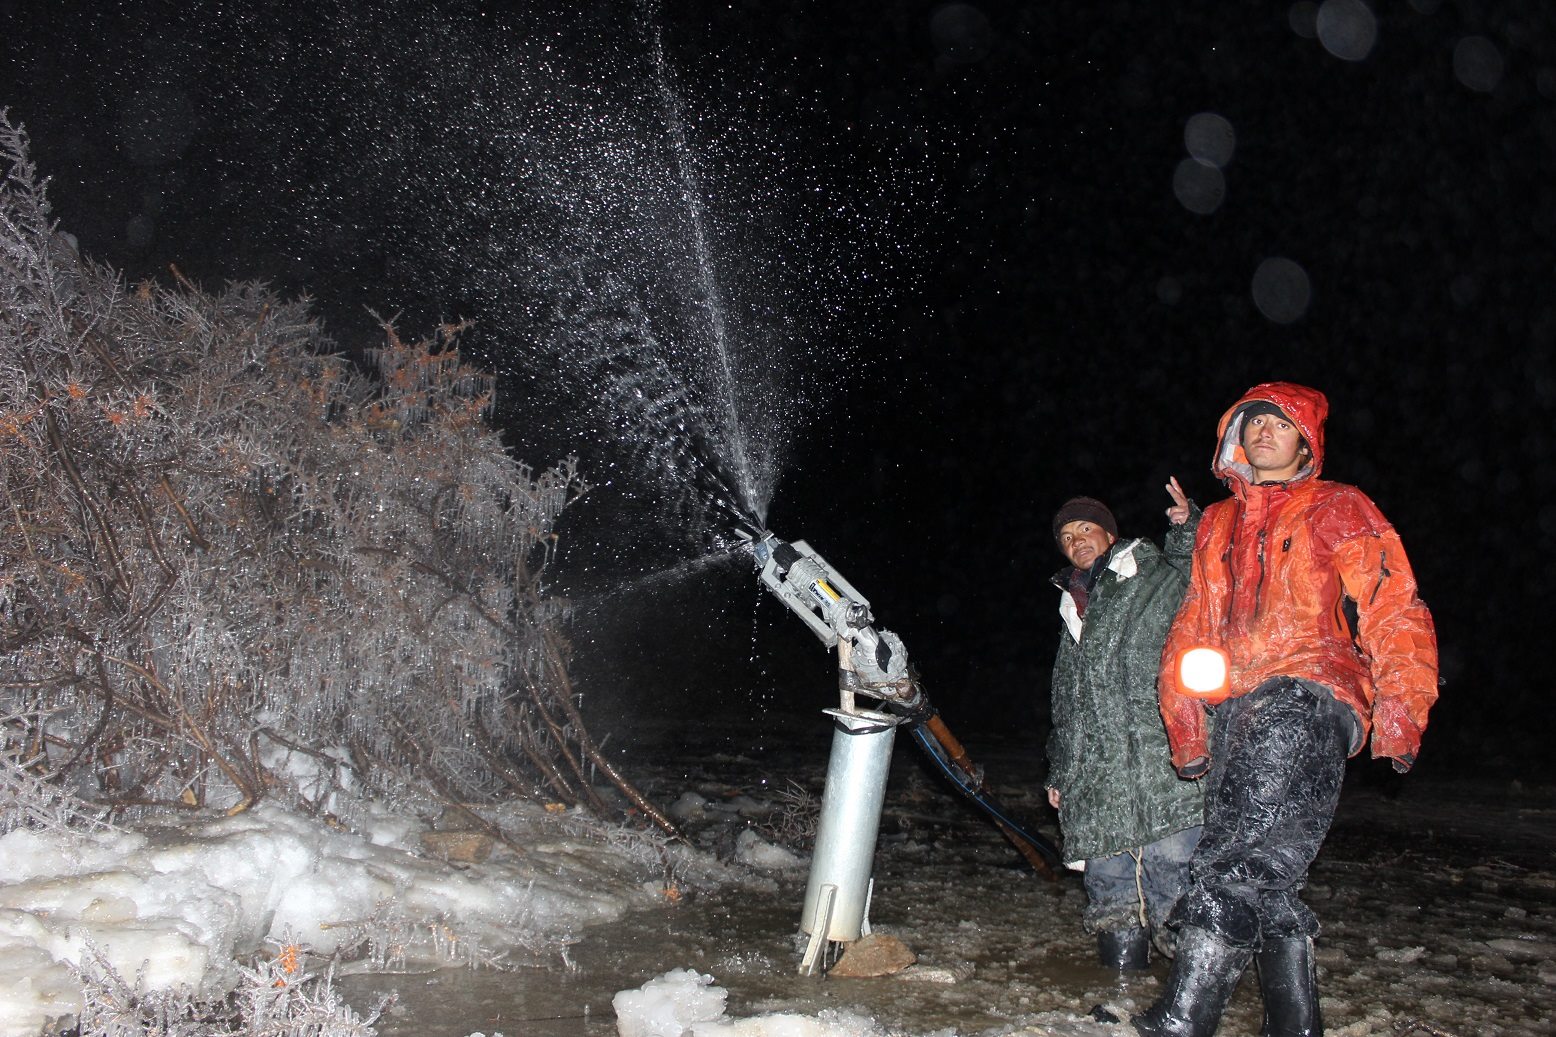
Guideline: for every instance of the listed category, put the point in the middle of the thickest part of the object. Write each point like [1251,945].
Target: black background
[1054,323]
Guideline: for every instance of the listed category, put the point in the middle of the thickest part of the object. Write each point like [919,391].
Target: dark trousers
[1277,760]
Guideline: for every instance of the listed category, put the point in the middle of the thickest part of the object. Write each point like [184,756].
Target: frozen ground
[1438,899]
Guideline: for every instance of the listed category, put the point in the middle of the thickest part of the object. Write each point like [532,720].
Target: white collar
[1122,564]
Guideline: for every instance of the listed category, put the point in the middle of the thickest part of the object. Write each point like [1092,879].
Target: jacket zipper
[1258,588]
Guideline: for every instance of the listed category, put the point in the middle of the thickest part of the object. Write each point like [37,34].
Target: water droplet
[1198,187]
[1477,63]
[1210,139]
[1347,29]
[1303,19]
[961,33]
[1281,290]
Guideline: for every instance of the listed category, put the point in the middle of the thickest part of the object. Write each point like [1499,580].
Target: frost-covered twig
[276,997]
[794,823]
[28,801]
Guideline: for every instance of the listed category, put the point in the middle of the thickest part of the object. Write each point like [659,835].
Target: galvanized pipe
[851,807]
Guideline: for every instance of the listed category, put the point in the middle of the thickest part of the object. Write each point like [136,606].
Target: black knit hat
[1088,508]
[1258,407]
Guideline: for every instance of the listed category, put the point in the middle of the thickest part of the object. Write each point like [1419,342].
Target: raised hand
[1178,514]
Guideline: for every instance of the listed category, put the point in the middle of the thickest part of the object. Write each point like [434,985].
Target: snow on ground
[1438,900]
[179,903]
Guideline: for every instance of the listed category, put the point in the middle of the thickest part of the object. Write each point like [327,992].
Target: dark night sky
[1043,316]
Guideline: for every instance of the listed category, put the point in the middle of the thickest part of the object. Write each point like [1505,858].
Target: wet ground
[1438,900]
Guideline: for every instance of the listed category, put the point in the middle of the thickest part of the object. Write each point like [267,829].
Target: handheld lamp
[1205,673]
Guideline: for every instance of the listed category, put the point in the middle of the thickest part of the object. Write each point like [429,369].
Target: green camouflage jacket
[1108,754]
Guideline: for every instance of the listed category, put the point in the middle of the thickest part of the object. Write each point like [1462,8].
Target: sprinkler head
[759,541]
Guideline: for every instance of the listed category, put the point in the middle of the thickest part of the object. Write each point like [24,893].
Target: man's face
[1083,542]
[1272,445]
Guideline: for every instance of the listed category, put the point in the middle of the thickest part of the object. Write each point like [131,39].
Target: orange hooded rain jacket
[1305,579]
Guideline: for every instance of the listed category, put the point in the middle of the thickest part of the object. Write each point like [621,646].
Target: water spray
[872,663]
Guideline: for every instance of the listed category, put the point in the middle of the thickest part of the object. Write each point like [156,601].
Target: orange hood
[1307,408]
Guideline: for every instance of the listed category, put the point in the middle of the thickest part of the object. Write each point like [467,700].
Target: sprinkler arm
[873,662]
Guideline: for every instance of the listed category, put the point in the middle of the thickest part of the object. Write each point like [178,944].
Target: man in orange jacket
[1304,587]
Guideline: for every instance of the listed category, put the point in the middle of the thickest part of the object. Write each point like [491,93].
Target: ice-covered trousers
[1137,888]
[1277,760]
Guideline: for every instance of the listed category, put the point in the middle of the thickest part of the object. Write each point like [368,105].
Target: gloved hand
[1402,764]
[1195,768]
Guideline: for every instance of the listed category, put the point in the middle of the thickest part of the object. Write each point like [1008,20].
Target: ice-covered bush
[235,564]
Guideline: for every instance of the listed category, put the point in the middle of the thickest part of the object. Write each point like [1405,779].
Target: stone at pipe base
[873,955]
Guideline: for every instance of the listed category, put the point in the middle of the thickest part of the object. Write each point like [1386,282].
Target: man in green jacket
[1124,811]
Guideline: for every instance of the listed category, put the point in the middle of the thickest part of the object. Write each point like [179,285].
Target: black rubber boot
[1204,975]
[1125,950]
[1288,978]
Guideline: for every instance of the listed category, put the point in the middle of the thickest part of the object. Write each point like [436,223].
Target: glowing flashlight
[1204,673]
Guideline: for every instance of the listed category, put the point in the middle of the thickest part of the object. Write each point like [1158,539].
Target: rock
[873,955]
[463,847]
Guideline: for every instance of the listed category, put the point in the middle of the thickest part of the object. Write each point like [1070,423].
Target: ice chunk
[756,852]
[668,1005]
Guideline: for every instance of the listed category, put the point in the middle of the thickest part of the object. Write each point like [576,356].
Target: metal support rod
[811,963]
